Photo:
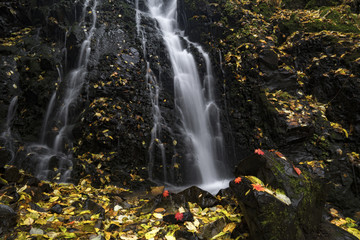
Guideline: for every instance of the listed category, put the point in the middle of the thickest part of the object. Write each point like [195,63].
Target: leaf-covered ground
[66,211]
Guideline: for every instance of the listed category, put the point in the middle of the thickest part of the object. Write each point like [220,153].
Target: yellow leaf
[53,199]
[158,215]
[84,212]
[190,226]
[41,221]
[354,232]
[230,227]
[107,235]
[28,221]
[152,233]
[170,237]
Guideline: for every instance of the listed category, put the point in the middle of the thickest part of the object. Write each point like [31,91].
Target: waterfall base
[213,187]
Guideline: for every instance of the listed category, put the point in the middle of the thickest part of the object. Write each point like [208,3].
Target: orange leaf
[165,193]
[237,180]
[280,155]
[258,187]
[297,170]
[259,151]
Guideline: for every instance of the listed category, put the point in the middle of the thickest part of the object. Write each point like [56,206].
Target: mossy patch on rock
[267,215]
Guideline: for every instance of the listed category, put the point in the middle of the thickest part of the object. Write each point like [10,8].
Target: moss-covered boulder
[279,201]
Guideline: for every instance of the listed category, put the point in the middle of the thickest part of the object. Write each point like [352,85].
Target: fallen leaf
[179,216]
[190,226]
[165,193]
[159,210]
[230,227]
[258,187]
[237,180]
[297,170]
[259,151]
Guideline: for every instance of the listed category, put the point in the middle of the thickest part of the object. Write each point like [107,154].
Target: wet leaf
[165,193]
[259,151]
[190,226]
[237,180]
[258,187]
[229,227]
[179,216]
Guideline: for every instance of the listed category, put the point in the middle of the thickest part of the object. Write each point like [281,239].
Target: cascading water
[6,136]
[194,99]
[54,158]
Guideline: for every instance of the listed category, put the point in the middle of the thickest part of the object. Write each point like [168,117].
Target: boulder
[7,218]
[279,201]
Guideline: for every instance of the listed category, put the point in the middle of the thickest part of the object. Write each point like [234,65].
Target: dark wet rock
[196,195]
[56,208]
[94,208]
[171,218]
[45,187]
[32,181]
[182,235]
[331,232]
[36,207]
[268,59]
[12,174]
[36,193]
[5,157]
[212,229]
[8,218]
[113,227]
[171,203]
[174,201]
[268,216]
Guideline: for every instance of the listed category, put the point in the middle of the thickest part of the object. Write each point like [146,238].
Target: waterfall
[194,99]
[55,161]
[154,89]
[6,136]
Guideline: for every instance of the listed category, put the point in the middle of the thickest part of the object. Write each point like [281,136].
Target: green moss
[293,25]
[265,9]
[331,20]
[315,4]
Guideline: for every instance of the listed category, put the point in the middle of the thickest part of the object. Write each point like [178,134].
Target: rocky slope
[287,81]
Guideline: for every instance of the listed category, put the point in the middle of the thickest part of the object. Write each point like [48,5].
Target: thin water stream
[51,155]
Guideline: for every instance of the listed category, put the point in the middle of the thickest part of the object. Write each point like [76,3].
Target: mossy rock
[289,203]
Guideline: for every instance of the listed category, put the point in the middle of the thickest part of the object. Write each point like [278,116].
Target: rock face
[40,44]
[287,84]
[286,205]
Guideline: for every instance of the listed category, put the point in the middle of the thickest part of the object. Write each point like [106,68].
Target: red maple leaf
[179,216]
[237,180]
[258,187]
[259,151]
[297,170]
[165,193]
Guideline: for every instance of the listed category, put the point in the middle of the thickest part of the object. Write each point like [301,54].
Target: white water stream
[194,98]
[55,154]
[6,136]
